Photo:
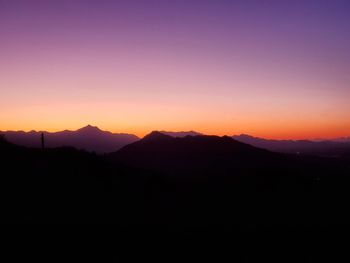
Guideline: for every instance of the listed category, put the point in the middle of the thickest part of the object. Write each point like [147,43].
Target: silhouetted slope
[89,138]
[65,185]
[320,148]
[181,133]
[190,154]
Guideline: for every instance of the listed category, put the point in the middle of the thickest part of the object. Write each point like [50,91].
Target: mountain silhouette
[189,154]
[89,138]
[89,129]
[329,148]
[181,184]
[181,133]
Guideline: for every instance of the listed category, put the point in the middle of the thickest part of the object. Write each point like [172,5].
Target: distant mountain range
[342,139]
[92,139]
[89,138]
[330,148]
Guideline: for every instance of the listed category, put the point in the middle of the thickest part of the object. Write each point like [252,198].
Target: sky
[269,68]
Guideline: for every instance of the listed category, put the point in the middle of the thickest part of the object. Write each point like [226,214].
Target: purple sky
[277,69]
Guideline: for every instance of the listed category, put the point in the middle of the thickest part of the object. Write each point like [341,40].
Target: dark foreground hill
[255,187]
[200,154]
[88,138]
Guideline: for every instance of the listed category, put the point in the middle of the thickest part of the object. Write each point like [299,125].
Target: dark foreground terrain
[190,183]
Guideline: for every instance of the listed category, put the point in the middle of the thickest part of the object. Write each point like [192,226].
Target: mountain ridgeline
[92,139]
[329,148]
[190,154]
[89,138]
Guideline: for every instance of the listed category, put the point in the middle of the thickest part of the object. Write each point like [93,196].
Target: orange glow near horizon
[262,115]
[272,130]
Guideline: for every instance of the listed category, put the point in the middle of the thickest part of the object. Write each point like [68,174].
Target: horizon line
[177,131]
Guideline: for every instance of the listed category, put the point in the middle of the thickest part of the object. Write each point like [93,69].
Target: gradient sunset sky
[275,69]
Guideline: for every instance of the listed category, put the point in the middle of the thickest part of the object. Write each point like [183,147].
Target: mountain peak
[181,133]
[89,128]
[156,135]
[243,135]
